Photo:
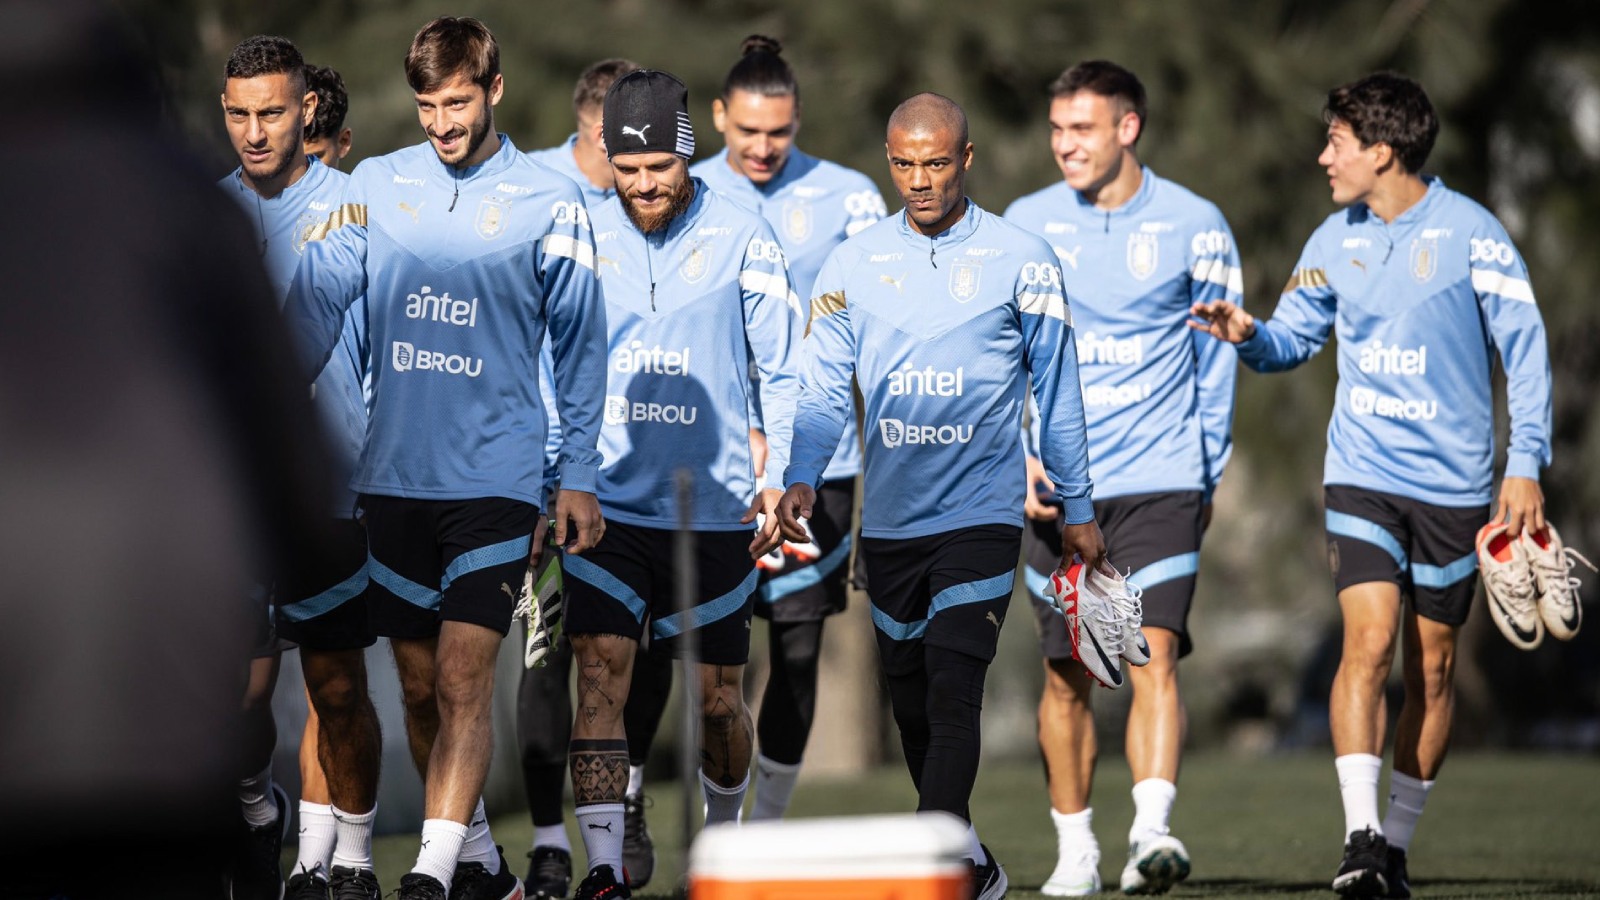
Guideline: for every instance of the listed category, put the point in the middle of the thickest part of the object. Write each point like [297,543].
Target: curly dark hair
[332,102]
[266,54]
[1387,108]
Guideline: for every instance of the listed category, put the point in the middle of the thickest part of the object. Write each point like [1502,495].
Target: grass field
[1497,826]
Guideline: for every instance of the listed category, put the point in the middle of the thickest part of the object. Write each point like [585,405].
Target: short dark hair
[761,70]
[1109,80]
[450,46]
[266,54]
[332,102]
[590,94]
[1387,108]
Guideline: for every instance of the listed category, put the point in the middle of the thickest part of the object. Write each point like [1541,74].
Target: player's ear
[346,141]
[308,108]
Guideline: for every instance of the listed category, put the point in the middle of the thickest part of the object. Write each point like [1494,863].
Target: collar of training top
[647,112]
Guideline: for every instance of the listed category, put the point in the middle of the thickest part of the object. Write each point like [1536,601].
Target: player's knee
[1431,678]
[1368,646]
[1066,687]
[463,683]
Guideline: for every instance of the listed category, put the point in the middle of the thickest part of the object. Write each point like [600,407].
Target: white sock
[1358,788]
[723,804]
[635,781]
[1074,833]
[354,850]
[1152,807]
[552,836]
[1407,796]
[441,848]
[774,786]
[256,800]
[318,832]
[975,846]
[479,846]
[600,824]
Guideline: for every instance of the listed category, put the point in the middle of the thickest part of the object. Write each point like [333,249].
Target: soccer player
[694,285]
[811,205]
[544,699]
[467,253]
[1423,288]
[327,137]
[941,313]
[266,107]
[1136,252]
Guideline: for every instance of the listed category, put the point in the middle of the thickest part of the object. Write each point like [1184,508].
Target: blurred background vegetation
[1236,88]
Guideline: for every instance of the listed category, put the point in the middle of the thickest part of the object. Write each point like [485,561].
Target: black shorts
[809,590]
[1429,551]
[628,580]
[1156,536]
[325,608]
[947,590]
[437,560]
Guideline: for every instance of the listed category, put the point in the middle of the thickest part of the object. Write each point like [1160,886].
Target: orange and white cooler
[902,857]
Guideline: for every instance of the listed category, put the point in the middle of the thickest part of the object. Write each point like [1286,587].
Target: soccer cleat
[1551,562]
[1155,864]
[1394,872]
[549,873]
[1076,875]
[638,850]
[540,604]
[312,885]
[1125,598]
[602,884]
[1508,583]
[474,881]
[989,879]
[417,886]
[257,872]
[1362,873]
[354,884]
[1094,625]
[805,551]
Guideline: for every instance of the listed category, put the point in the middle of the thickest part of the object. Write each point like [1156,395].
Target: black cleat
[549,873]
[1395,874]
[472,881]
[312,885]
[988,880]
[354,884]
[602,884]
[417,886]
[638,850]
[1362,872]
[257,871]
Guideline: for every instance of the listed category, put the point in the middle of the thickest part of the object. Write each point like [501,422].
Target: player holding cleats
[1423,287]
[469,254]
[812,205]
[1137,251]
[693,283]
[942,313]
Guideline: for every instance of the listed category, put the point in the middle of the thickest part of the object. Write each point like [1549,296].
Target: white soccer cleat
[1125,598]
[1155,864]
[807,550]
[1509,585]
[1076,875]
[1552,562]
[540,603]
[1094,624]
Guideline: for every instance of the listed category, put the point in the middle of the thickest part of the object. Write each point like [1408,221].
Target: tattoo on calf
[599,771]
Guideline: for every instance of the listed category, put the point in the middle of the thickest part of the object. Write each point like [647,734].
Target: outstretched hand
[1223,320]
[796,504]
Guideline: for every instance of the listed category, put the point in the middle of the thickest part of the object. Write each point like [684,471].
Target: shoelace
[1125,596]
[1516,593]
[1558,568]
[1101,607]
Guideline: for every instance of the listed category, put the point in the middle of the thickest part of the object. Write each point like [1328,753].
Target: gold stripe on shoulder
[348,214]
[826,305]
[1306,278]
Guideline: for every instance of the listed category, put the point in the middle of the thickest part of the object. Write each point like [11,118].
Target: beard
[276,165]
[651,222]
[477,133]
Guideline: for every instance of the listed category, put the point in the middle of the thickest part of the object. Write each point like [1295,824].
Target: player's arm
[330,277]
[1215,274]
[564,263]
[1298,329]
[771,319]
[552,447]
[827,365]
[1500,280]
[1051,356]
